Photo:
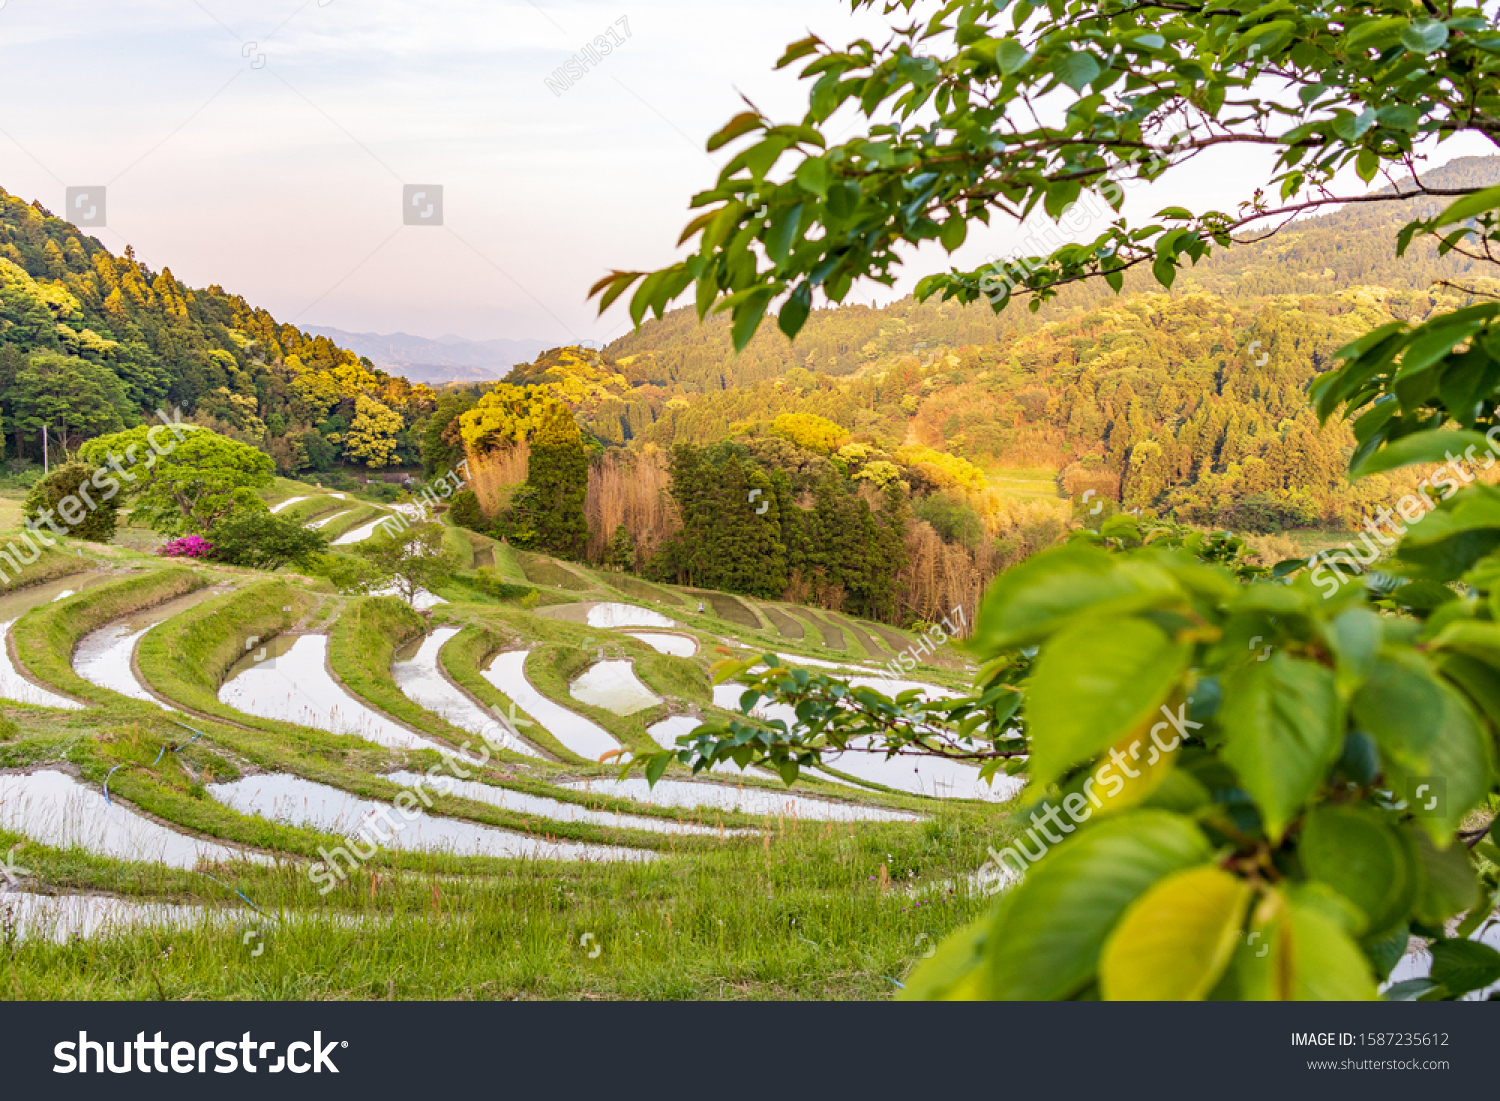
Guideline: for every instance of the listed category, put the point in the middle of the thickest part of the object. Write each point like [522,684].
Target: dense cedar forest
[889,463]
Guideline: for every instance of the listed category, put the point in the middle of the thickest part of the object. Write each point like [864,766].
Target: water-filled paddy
[682,646]
[613,686]
[298,802]
[583,736]
[288,679]
[931,776]
[606,615]
[103,657]
[417,674]
[728,797]
[55,809]
[13,606]
[555,809]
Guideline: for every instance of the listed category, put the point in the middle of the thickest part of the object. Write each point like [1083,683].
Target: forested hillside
[891,462]
[1191,402]
[946,441]
[90,342]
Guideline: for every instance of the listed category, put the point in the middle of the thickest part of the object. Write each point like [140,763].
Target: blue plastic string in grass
[227,887]
[175,749]
[198,734]
[112,771]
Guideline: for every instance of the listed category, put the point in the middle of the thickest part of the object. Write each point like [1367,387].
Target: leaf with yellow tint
[1174,942]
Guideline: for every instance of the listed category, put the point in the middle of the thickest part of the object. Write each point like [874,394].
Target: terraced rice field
[785,625]
[546,572]
[861,637]
[833,638]
[414,805]
[729,608]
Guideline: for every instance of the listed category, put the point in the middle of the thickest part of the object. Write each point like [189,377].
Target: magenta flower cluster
[189,546]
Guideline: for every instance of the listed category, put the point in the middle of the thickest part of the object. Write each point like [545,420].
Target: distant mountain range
[447,359]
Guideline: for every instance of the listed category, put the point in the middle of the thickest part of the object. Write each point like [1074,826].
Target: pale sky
[263,145]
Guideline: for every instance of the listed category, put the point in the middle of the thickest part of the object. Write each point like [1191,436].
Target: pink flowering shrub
[189,546]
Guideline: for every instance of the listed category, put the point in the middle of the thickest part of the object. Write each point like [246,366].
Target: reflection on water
[417,674]
[422,600]
[13,606]
[666,733]
[55,809]
[555,809]
[585,738]
[794,660]
[297,802]
[749,800]
[677,645]
[103,656]
[606,614]
[613,686]
[360,534]
[323,523]
[62,918]
[288,679]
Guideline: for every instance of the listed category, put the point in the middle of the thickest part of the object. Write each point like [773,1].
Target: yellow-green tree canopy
[372,437]
[810,431]
[507,415]
[941,468]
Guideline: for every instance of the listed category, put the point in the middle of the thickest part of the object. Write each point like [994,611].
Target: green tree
[466,513]
[79,498]
[558,481]
[442,441]
[621,552]
[409,559]
[1243,770]
[183,479]
[11,362]
[260,541]
[321,455]
[72,397]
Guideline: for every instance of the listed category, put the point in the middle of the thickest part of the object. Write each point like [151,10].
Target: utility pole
[44,450]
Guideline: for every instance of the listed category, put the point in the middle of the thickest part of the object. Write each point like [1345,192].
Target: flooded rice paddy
[288,679]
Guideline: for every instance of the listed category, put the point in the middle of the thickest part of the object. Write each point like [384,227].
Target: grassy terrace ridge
[552,667]
[504,560]
[315,507]
[862,637]
[708,924]
[729,608]
[358,516]
[559,652]
[552,574]
[833,638]
[45,637]
[216,631]
[636,589]
[895,640]
[466,653]
[457,543]
[361,647]
[185,658]
[785,625]
[52,563]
